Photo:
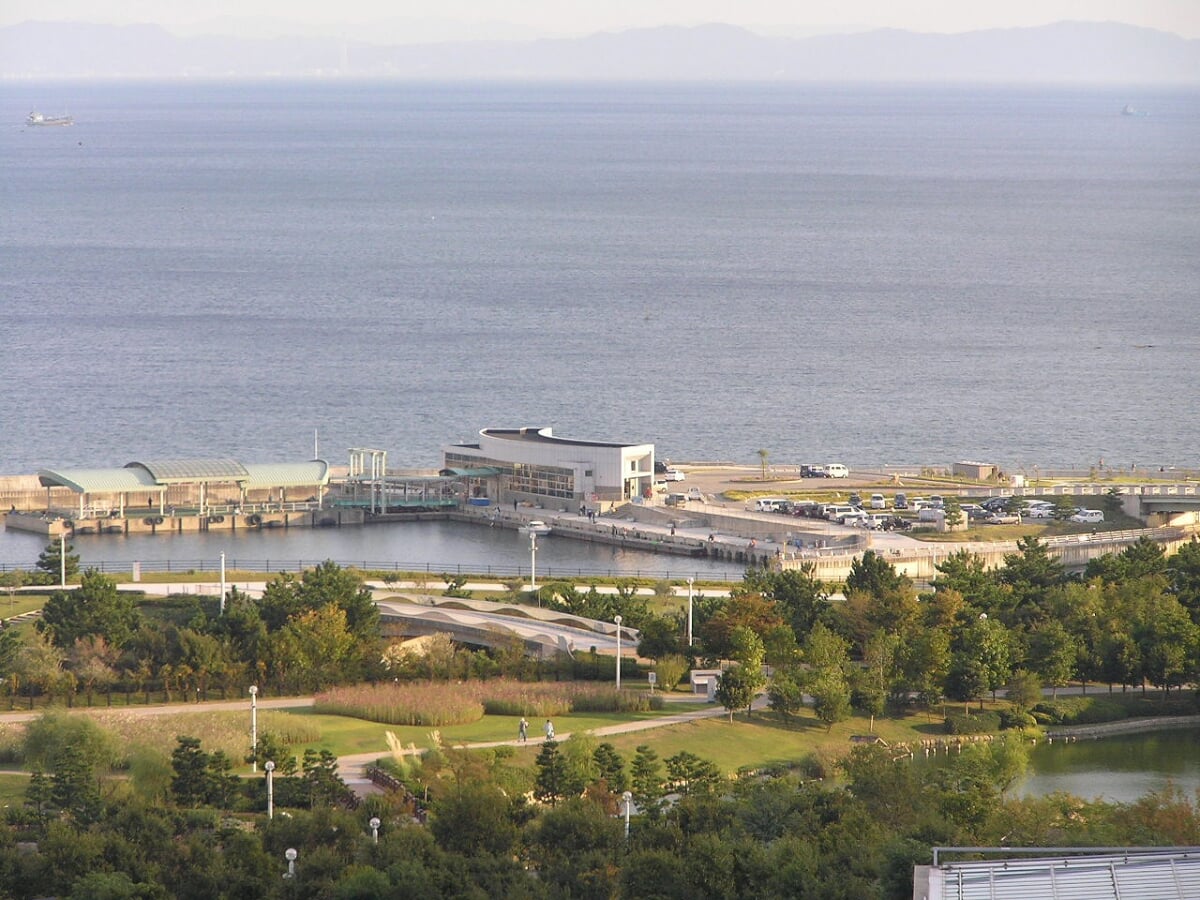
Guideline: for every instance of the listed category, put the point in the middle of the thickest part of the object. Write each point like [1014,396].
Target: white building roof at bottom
[1136,876]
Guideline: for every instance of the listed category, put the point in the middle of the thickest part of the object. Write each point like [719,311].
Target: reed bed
[439,704]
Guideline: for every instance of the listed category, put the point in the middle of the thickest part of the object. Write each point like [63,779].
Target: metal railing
[431,569]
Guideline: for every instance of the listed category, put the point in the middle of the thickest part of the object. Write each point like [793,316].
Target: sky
[556,18]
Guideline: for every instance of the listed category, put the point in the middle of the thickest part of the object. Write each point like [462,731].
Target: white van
[878,501]
[835,512]
[1088,515]
[836,470]
[769,504]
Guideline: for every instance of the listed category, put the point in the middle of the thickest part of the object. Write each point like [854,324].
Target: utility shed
[977,470]
[1102,873]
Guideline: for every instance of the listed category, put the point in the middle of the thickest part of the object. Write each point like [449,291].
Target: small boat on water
[37,118]
[535,526]
[1131,110]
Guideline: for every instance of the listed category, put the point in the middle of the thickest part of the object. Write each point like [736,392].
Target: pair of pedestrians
[523,731]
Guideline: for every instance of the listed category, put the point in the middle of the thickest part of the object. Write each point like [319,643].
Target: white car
[878,501]
[1088,515]
[674,475]
[1040,511]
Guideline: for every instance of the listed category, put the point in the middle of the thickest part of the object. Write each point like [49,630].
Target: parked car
[674,475]
[855,500]
[694,493]
[878,501]
[1088,515]
[854,517]
[937,501]
[875,521]
[1040,511]
[1003,518]
[810,471]
[974,511]
[660,467]
[836,470]
[901,501]
[995,504]
[676,499]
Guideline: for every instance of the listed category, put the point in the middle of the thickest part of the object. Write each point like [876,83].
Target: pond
[1120,768]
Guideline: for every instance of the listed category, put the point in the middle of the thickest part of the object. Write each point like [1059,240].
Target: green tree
[659,638]
[736,688]
[762,459]
[831,696]
[551,783]
[319,771]
[13,579]
[611,767]
[1062,507]
[688,773]
[785,694]
[96,607]
[647,777]
[74,787]
[50,562]
[1183,574]
[190,785]
[953,510]
[1024,689]
[1052,653]
[670,670]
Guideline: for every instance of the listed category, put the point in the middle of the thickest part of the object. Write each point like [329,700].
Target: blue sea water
[866,274]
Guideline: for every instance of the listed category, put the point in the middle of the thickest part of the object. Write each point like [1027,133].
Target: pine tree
[551,774]
[647,780]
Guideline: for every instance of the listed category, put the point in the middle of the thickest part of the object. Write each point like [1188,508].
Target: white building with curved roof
[534,464]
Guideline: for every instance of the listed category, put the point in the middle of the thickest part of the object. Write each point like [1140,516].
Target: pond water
[1121,768]
[454,547]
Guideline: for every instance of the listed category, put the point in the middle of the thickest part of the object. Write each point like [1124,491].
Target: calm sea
[878,275]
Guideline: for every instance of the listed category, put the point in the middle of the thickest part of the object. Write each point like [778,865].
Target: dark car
[855,501]
[660,467]
[901,501]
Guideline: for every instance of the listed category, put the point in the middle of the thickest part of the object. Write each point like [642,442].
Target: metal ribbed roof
[97,481]
[479,472]
[272,475]
[168,471]
[1134,876]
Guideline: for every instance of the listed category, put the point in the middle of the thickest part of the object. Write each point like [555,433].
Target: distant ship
[1131,110]
[36,118]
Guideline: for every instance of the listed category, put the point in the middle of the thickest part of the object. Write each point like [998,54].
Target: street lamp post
[532,561]
[269,767]
[374,823]
[290,855]
[691,581]
[628,798]
[62,558]
[617,619]
[222,582]
[254,728]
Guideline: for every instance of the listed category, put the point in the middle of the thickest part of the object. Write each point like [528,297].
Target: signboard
[653,678]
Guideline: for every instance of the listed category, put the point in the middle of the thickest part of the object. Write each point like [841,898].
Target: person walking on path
[523,731]
[549,730]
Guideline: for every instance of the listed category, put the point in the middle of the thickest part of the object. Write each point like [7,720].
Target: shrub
[978,723]
[1016,718]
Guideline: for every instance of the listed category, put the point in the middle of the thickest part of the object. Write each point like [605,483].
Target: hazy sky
[563,17]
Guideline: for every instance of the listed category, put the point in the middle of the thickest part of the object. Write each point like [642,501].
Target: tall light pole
[374,823]
[62,558]
[269,767]
[617,619]
[533,561]
[628,798]
[691,581]
[222,582]
[254,728]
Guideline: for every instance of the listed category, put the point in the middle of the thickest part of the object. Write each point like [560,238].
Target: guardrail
[545,573]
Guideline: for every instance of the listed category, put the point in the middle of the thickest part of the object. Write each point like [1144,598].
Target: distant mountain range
[1066,52]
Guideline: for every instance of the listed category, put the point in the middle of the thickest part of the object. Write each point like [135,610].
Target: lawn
[12,789]
[344,735]
[765,740]
[15,604]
